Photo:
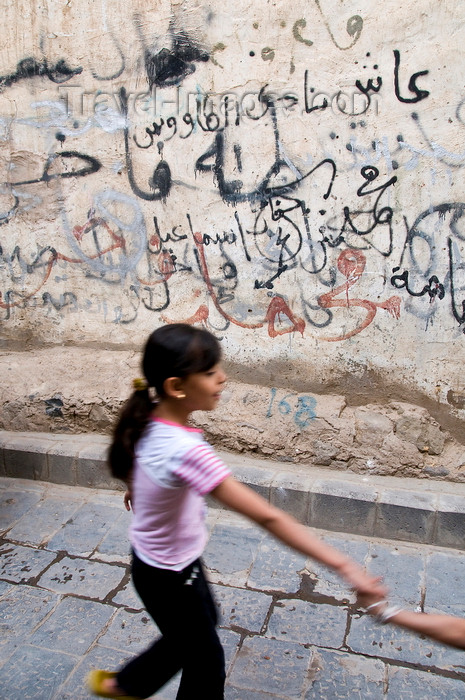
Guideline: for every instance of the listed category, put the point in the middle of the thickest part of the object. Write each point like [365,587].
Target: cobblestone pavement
[289,627]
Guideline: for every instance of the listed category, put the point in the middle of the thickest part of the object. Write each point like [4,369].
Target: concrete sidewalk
[289,627]
[415,510]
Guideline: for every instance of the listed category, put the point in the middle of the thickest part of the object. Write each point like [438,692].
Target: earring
[181,396]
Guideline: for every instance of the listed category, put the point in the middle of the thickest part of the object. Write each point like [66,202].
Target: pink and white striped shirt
[174,469]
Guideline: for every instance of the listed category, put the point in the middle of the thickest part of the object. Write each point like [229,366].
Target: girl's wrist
[382,611]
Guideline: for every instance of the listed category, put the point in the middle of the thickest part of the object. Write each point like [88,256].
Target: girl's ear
[172,388]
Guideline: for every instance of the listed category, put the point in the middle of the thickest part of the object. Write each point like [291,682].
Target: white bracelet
[385,615]
[375,605]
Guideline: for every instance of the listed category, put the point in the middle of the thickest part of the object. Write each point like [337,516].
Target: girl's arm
[127,498]
[244,500]
[443,628]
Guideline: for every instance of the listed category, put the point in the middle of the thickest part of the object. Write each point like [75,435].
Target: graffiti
[353,28]
[170,66]
[350,232]
[160,181]
[347,102]
[208,121]
[431,270]
[232,190]
[298,25]
[116,74]
[369,87]
[433,288]
[61,161]
[303,411]
[229,211]
[351,264]
[31,68]
[412,86]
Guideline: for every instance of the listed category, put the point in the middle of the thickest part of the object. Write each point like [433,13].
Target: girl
[168,469]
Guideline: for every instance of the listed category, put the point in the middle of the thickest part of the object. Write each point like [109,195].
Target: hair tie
[140,384]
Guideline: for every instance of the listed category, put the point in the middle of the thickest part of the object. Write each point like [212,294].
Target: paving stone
[134,631]
[21,564]
[231,551]
[108,497]
[5,587]
[27,485]
[7,650]
[115,545]
[389,642]
[14,503]
[271,666]
[90,579]
[276,567]
[128,597]
[75,688]
[322,581]
[22,608]
[112,659]
[232,693]
[230,641]
[34,673]
[407,684]
[402,570]
[341,675]
[85,530]
[241,608]
[445,574]
[49,515]
[243,557]
[73,626]
[308,623]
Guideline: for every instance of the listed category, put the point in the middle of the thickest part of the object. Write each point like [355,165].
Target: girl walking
[169,468]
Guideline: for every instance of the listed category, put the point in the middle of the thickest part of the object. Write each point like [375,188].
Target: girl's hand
[367,587]
[127,500]
[373,600]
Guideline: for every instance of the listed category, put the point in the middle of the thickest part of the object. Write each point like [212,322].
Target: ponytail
[132,422]
[175,350]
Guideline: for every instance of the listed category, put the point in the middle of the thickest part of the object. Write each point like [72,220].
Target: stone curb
[413,510]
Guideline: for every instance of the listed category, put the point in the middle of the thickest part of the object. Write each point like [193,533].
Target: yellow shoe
[94,683]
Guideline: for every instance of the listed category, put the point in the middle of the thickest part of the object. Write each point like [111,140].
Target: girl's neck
[170,410]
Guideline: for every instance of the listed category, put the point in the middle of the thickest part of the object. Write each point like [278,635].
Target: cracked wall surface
[289,177]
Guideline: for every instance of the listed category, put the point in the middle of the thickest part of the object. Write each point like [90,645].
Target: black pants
[182,606]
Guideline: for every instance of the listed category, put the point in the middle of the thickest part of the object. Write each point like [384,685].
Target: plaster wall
[289,176]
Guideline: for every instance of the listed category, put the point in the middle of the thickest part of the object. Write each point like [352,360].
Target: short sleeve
[202,469]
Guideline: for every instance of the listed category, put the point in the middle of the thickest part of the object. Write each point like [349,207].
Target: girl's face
[203,389]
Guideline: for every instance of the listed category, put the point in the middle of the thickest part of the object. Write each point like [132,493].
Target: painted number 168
[303,411]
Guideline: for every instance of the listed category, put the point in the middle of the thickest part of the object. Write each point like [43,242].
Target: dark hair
[176,350]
